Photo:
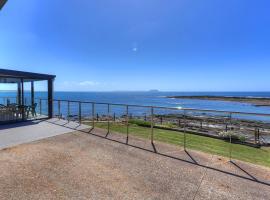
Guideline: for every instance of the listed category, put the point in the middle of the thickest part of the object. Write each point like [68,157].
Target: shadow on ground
[219,164]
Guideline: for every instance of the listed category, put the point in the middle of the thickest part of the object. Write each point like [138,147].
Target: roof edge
[22,74]
[2,3]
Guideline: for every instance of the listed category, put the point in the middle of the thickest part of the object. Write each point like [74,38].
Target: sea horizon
[157,98]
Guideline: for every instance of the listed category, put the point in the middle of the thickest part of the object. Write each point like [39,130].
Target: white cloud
[81,84]
[89,83]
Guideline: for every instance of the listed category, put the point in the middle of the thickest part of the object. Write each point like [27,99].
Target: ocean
[159,99]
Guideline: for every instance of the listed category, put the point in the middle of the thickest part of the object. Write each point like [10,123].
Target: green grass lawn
[259,156]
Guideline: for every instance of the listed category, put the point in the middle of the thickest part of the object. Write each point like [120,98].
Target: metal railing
[252,128]
[247,127]
[165,124]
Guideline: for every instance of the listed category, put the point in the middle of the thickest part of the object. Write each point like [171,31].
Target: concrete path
[19,133]
[99,166]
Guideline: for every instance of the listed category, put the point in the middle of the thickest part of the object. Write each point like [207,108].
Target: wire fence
[241,127]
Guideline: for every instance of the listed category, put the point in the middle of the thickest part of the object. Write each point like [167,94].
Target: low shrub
[140,122]
[233,135]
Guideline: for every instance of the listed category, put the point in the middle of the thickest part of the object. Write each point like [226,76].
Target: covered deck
[22,105]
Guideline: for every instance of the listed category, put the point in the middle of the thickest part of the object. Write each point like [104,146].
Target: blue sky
[176,45]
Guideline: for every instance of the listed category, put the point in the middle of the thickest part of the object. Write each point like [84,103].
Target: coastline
[256,101]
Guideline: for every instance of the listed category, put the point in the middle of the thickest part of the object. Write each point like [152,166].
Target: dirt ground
[86,166]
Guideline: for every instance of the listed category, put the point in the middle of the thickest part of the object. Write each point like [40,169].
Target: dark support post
[22,105]
[22,89]
[19,93]
[32,98]
[32,93]
[50,98]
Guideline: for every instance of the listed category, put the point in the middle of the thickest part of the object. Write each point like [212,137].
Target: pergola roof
[12,76]
[2,3]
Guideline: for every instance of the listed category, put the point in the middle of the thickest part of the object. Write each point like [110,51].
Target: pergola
[20,78]
[2,3]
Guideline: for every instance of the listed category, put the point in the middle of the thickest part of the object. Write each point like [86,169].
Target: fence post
[40,106]
[152,125]
[59,105]
[185,124]
[108,128]
[127,123]
[258,136]
[68,117]
[80,112]
[93,115]
[230,139]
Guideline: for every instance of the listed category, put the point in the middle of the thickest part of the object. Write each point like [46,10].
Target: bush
[234,135]
[140,122]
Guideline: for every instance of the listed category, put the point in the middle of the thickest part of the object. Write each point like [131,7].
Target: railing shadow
[154,150]
[240,168]
[189,155]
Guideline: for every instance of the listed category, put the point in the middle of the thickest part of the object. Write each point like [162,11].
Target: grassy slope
[209,145]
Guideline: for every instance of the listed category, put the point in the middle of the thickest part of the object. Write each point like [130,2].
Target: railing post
[185,124]
[68,114]
[108,116]
[230,139]
[80,112]
[93,115]
[152,125]
[127,123]
[40,106]
[59,105]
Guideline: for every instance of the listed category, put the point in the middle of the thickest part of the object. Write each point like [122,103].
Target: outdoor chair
[32,109]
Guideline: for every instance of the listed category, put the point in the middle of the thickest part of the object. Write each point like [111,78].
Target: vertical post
[93,115]
[185,124]
[19,93]
[32,94]
[40,106]
[80,112]
[108,116]
[152,125]
[230,147]
[59,107]
[50,98]
[258,136]
[68,111]
[127,123]
[22,106]
[230,139]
